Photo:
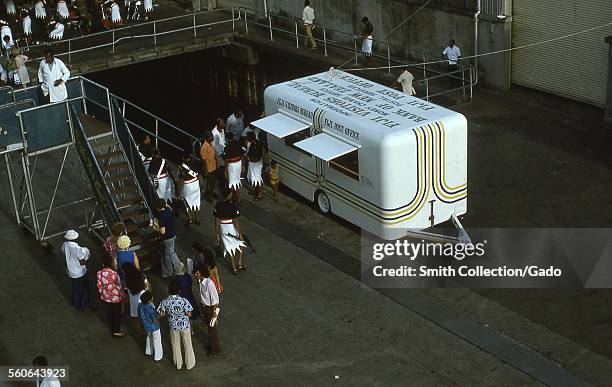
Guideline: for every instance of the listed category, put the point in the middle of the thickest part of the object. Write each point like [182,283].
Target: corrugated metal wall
[575,67]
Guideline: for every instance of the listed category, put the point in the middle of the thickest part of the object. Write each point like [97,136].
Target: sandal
[241,268]
[235,272]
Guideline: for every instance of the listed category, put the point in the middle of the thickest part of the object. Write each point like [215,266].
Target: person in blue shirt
[166,226]
[150,322]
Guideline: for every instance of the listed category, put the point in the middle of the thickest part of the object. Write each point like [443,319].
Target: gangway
[72,164]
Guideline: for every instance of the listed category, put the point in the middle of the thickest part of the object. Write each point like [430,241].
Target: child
[274,178]
[150,322]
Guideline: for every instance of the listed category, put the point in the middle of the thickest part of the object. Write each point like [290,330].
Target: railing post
[69,52]
[195,32]
[388,59]
[463,81]
[424,67]
[426,89]
[325,41]
[297,37]
[471,83]
[113,40]
[356,56]
[233,18]
[154,33]
[156,132]
[246,24]
[270,27]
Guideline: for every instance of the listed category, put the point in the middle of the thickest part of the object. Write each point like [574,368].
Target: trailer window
[347,164]
[297,137]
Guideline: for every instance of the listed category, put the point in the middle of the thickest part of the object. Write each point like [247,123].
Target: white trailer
[385,161]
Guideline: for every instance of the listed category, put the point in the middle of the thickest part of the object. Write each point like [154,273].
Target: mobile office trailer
[383,160]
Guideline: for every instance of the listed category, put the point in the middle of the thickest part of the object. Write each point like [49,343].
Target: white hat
[71,235]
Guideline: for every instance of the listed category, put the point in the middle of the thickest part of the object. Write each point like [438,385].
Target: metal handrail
[426,57]
[154,35]
[325,30]
[126,28]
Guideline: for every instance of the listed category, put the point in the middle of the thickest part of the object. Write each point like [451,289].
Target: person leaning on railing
[453,54]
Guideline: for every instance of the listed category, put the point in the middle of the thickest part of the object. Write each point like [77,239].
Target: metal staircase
[125,193]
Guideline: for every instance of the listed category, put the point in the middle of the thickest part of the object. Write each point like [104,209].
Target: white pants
[154,345]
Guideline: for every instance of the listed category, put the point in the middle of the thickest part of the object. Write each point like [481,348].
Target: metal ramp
[67,167]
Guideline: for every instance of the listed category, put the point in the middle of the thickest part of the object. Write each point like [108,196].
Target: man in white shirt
[53,75]
[210,301]
[308,17]
[405,80]
[452,54]
[50,381]
[76,257]
[235,124]
[218,133]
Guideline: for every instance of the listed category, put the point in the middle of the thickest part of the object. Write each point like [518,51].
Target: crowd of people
[124,289]
[230,152]
[27,22]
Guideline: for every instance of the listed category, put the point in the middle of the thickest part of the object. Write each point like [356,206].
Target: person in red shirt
[111,293]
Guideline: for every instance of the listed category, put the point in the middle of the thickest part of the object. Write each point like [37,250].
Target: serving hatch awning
[325,147]
[280,125]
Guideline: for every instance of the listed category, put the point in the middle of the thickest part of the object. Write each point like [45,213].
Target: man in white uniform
[453,54]
[52,75]
[76,257]
[405,80]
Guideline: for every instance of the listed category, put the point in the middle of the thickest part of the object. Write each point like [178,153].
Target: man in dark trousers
[166,226]
[209,297]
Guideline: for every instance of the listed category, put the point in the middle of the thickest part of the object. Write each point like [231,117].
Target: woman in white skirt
[227,231]
[189,181]
[40,9]
[116,14]
[26,22]
[233,164]
[62,9]
[57,31]
[159,171]
[255,155]
[366,36]
[10,7]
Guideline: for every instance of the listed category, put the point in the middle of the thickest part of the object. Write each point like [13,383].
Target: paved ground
[290,319]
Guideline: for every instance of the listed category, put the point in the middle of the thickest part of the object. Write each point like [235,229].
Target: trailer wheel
[323,202]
